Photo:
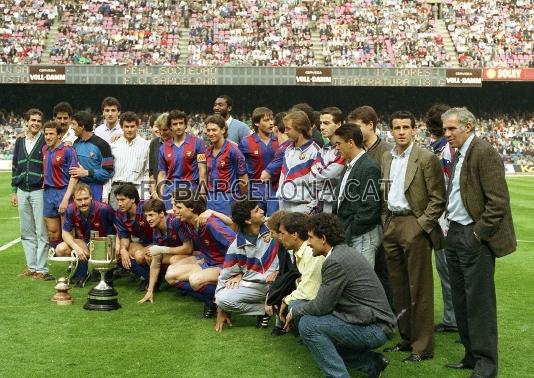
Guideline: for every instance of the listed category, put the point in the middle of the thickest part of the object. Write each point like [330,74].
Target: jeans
[33,229]
[367,244]
[336,345]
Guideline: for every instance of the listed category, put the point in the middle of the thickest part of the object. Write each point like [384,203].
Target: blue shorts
[205,264]
[52,199]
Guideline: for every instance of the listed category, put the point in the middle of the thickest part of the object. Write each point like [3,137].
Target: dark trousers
[409,257]
[381,270]
[471,269]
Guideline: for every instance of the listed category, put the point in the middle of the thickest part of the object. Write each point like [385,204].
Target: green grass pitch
[168,338]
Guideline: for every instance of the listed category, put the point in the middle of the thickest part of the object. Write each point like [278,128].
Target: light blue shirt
[237,130]
[455,207]
[396,198]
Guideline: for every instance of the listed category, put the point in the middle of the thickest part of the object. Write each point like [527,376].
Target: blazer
[360,209]
[424,188]
[350,290]
[485,196]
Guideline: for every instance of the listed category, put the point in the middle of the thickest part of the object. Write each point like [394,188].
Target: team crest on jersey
[256,152]
[267,238]
[207,242]
[188,154]
[223,163]
[142,223]
[97,224]
[92,154]
[58,158]
[302,156]
[168,155]
[173,236]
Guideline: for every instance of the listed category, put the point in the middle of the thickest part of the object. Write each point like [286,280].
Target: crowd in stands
[378,34]
[492,33]
[110,33]
[511,135]
[24,27]
[368,33]
[259,33]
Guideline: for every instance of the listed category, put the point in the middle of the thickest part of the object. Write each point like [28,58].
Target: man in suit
[481,228]
[366,119]
[414,201]
[358,197]
[350,315]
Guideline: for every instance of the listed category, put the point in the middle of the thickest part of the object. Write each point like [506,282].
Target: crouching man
[350,315]
[250,262]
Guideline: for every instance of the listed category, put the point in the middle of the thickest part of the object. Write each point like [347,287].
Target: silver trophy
[63,267]
[102,257]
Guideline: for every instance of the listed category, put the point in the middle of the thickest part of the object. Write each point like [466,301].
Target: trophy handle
[51,252]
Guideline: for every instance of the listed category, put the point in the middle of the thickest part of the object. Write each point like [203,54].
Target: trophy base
[62,296]
[102,300]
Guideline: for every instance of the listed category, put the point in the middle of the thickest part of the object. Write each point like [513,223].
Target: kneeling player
[134,232]
[198,274]
[83,216]
[250,260]
[170,240]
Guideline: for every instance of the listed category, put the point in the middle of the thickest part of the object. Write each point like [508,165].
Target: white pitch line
[8,218]
[525,241]
[11,243]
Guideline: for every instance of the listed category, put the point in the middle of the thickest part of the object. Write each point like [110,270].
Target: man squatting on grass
[338,304]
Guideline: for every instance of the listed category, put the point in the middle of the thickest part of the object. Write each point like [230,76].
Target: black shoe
[414,357]
[209,310]
[398,348]
[81,280]
[262,321]
[278,331]
[441,327]
[460,366]
[380,364]
[143,285]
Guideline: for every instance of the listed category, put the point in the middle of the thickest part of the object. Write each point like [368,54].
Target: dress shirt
[346,177]
[131,161]
[29,142]
[397,199]
[455,207]
[69,136]
[310,270]
[104,132]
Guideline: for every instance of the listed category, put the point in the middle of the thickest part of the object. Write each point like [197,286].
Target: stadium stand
[492,33]
[126,33]
[380,34]
[259,33]
[367,33]
[24,27]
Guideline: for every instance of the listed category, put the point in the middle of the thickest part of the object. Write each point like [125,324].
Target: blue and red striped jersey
[176,234]
[137,227]
[257,154]
[181,163]
[225,168]
[275,166]
[100,218]
[56,164]
[212,240]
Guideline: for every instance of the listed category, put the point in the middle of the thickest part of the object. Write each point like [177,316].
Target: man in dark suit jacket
[481,228]
[358,195]
[350,315]
[414,201]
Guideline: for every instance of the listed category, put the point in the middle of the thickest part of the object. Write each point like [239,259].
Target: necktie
[453,169]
